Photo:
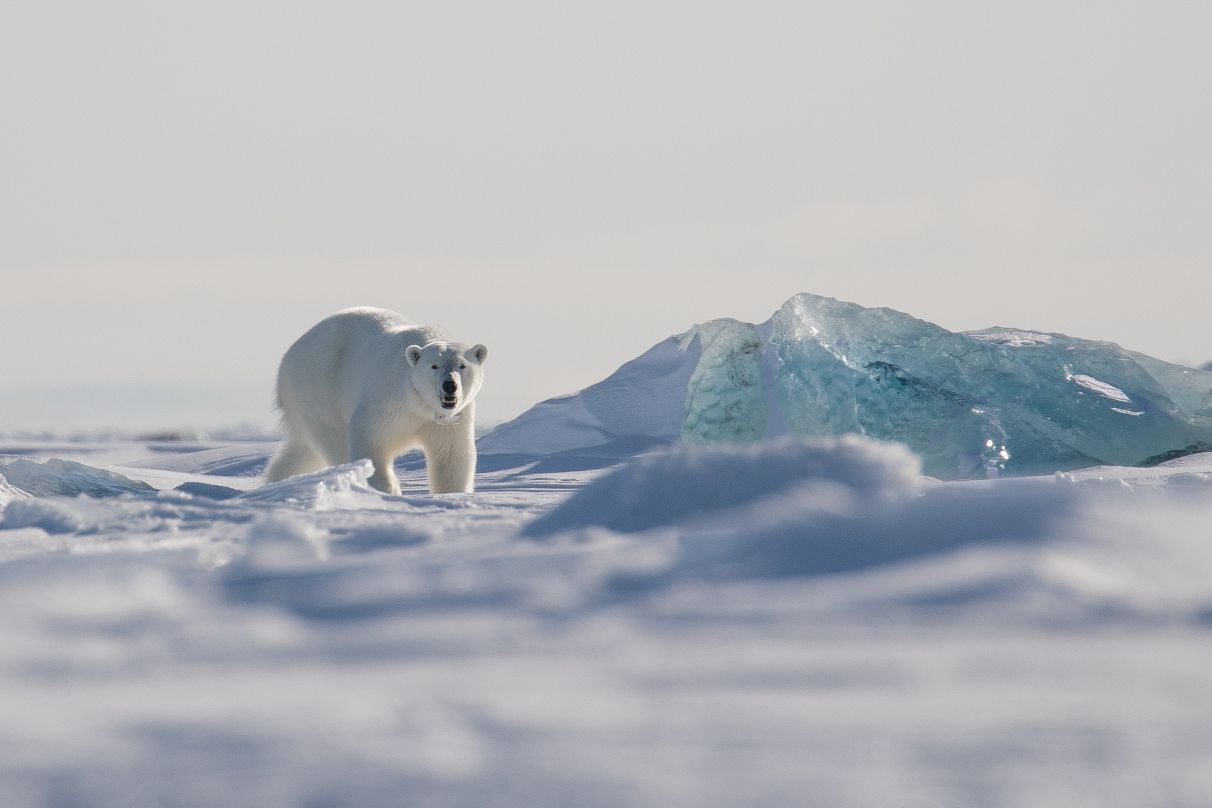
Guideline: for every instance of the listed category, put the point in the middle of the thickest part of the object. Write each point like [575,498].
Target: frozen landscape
[842,558]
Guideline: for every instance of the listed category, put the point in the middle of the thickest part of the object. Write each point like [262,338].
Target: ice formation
[55,477]
[724,399]
[970,404]
[985,401]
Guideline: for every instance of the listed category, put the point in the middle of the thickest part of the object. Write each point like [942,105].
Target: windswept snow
[55,477]
[694,485]
[635,401]
[1086,545]
[784,623]
[8,493]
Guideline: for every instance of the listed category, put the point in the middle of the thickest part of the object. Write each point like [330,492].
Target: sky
[186,188]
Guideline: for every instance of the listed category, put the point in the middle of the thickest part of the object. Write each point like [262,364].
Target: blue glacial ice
[974,404]
[724,401]
[983,401]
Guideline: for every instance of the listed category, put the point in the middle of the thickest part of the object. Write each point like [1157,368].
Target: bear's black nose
[449,387]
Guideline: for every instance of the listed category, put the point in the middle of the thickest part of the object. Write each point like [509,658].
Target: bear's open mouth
[449,403]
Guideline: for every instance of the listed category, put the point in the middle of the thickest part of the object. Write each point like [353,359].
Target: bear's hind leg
[294,456]
[384,478]
[365,443]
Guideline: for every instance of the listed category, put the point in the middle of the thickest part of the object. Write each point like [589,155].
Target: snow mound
[975,404]
[875,537]
[55,477]
[333,488]
[52,516]
[280,542]
[692,484]
[642,398]
[207,490]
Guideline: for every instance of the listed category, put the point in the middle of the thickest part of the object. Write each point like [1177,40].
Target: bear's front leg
[450,460]
[452,474]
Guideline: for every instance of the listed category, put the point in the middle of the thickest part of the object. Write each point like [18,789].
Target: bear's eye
[434,367]
[462,367]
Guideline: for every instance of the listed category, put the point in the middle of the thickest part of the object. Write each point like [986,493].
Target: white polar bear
[369,383]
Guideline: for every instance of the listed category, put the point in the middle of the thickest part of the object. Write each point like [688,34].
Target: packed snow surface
[972,405]
[791,622]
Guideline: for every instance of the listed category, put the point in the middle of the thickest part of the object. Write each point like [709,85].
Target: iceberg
[972,404]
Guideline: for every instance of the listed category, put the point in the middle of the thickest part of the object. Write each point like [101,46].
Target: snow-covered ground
[790,623]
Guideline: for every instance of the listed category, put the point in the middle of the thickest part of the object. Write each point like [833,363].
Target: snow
[56,477]
[1101,388]
[695,484]
[802,621]
[972,405]
[1012,338]
[810,509]
[642,398]
[8,493]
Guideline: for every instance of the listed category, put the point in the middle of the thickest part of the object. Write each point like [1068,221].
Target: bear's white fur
[369,383]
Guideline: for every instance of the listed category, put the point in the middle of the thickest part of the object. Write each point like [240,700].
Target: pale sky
[185,188]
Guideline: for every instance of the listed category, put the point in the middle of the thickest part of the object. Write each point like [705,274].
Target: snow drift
[695,484]
[786,618]
[1073,547]
[970,404]
[8,493]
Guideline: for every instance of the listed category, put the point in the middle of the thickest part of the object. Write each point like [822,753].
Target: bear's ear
[414,354]
[479,353]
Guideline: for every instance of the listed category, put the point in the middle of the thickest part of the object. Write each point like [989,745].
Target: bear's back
[348,355]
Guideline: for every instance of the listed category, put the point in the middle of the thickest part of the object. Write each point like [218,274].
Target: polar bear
[369,383]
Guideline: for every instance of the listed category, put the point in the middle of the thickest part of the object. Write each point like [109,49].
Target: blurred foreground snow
[789,623]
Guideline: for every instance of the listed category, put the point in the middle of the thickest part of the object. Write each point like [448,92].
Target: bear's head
[447,376]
